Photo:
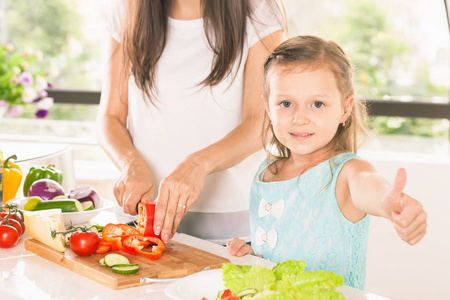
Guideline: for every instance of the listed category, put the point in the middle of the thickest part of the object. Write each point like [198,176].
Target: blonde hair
[313,53]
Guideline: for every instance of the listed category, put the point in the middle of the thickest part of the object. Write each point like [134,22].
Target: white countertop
[25,275]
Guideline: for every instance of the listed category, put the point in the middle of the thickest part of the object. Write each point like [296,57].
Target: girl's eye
[286,104]
[317,104]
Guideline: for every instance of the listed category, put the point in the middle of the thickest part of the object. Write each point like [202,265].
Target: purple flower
[41,113]
[43,94]
[26,79]
[15,111]
[3,103]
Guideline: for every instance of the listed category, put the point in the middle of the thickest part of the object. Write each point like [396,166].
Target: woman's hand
[177,193]
[407,214]
[238,247]
[135,184]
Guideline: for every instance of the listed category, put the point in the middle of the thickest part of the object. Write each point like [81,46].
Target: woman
[180,113]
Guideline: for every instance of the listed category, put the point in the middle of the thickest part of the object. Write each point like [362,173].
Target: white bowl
[75,218]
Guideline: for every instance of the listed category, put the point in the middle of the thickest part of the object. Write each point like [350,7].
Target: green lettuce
[239,278]
[289,267]
[287,280]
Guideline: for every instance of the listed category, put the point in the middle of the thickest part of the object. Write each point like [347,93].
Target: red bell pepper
[114,233]
[139,243]
[146,218]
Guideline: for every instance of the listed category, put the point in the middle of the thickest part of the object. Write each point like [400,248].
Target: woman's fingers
[182,208]
[160,210]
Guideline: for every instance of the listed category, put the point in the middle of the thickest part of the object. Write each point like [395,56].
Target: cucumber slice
[249,292]
[101,262]
[113,259]
[87,205]
[125,269]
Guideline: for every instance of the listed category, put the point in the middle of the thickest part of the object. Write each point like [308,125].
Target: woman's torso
[187,117]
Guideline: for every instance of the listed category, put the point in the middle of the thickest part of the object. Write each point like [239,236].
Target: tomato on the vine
[12,222]
[16,217]
[8,236]
[84,243]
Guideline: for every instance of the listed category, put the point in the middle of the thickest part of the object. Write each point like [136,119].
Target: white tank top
[187,118]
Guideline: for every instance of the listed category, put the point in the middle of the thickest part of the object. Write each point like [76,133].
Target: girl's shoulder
[357,166]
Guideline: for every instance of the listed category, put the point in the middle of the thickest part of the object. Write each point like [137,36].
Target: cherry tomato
[15,217]
[84,243]
[8,236]
[14,223]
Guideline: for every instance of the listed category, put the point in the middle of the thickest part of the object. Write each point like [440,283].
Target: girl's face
[305,108]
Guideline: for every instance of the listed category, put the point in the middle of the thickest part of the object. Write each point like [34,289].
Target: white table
[24,275]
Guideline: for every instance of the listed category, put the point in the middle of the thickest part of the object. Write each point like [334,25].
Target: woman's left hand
[177,193]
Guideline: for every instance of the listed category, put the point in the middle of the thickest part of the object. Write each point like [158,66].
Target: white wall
[395,269]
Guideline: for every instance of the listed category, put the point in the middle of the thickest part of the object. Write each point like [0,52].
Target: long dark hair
[145,35]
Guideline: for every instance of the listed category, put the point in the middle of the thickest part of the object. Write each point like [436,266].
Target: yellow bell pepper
[12,177]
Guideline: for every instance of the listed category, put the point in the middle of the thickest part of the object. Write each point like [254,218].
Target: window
[401,50]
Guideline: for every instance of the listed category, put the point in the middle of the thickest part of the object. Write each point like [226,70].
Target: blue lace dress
[300,219]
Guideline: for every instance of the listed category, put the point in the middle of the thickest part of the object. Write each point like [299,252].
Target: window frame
[376,107]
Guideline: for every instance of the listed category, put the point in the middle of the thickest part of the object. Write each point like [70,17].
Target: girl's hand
[238,247]
[135,184]
[177,193]
[406,214]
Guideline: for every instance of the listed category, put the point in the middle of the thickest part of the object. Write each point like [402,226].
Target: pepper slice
[139,243]
[146,218]
[114,233]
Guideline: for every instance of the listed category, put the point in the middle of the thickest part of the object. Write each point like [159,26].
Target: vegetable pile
[287,280]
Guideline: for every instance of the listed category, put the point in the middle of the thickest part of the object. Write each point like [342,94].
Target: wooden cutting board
[178,260]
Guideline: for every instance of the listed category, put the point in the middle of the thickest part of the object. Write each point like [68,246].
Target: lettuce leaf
[287,280]
[239,278]
[289,267]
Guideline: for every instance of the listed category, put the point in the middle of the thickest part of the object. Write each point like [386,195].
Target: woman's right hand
[238,247]
[135,184]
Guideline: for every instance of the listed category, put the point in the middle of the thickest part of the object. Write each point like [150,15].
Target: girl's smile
[305,107]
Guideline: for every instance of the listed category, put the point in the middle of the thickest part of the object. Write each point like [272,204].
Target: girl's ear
[347,110]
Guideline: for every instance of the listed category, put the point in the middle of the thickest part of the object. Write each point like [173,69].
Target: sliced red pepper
[146,218]
[114,233]
[103,247]
[137,242]
[225,294]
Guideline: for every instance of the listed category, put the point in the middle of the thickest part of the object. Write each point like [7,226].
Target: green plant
[19,85]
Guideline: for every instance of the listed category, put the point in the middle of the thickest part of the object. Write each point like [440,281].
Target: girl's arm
[373,194]
[136,181]
[185,183]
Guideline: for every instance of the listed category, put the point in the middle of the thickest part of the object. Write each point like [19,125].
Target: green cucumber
[125,268]
[88,205]
[249,292]
[69,205]
[101,262]
[113,259]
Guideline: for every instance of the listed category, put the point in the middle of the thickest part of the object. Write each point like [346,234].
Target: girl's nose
[300,117]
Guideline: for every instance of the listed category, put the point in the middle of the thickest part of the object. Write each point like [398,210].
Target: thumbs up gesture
[406,214]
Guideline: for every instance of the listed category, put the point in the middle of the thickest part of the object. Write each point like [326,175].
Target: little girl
[312,198]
